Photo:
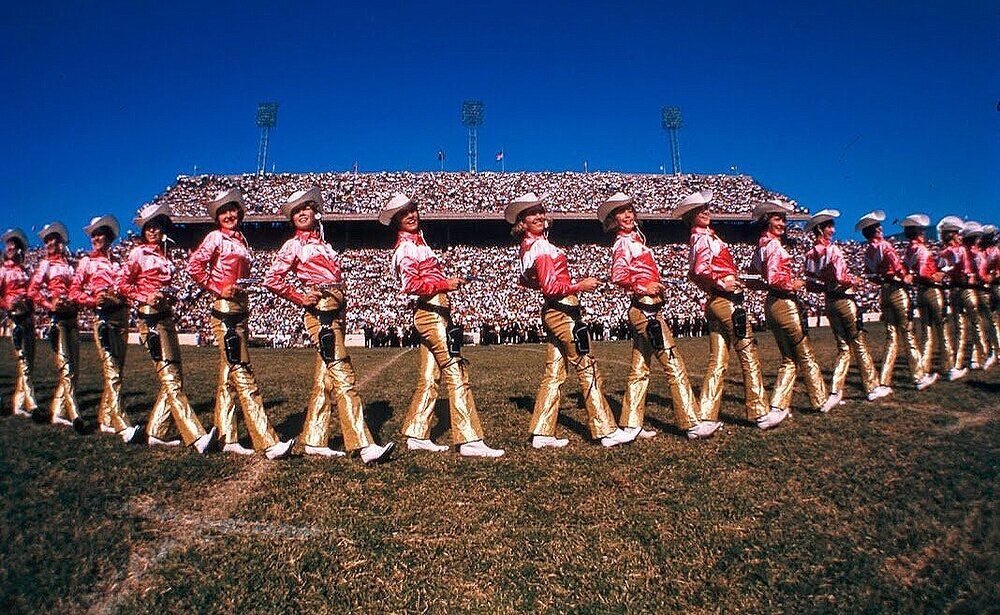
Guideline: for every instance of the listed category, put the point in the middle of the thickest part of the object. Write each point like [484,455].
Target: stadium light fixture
[670,119]
[473,112]
[267,118]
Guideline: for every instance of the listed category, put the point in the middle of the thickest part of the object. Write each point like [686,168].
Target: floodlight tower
[472,118]
[267,118]
[670,119]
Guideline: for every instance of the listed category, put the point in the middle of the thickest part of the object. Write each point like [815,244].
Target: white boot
[879,392]
[107,429]
[21,412]
[926,381]
[989,362]
[280,450]
[158,442]
[323,451]
[479,449]
[201,444]
[374,452]
[237,449]
[58,420]
[957,374]
[832,401]
[128,434]
[617,437]
[419,444]
[548,442]
[704,429]
[772,418]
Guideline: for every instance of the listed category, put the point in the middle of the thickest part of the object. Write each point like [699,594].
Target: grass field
[876,507]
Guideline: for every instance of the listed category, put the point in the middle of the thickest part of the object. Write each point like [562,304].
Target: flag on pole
[499,155]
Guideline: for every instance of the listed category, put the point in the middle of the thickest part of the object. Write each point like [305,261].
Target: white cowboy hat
[396,203]
[54,227]
[153,210]
[693,201]
[520,204]
[232,195]
[15,233]
[918,220]
[949,223]
[310,195]
[820,217]
[107,220]
[989,229]
[972,229]
[615,202]
[870,218]
[770,206]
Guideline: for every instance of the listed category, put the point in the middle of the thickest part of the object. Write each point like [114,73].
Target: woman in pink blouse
[773,262]
[544,268]
[307,272]
[221,266]
[634,269]
[145,280]
[95,287]
[49,289]
[826,268]
[14,300]
[421,275]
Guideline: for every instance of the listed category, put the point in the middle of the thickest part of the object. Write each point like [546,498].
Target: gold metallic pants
[722,336]
[895,304]
[171,400]
[634,402]
[435,362]
[24,388]
[236,380]
[67,360]
[843,315]
[562,351]
[334,382]
[965,312]
[936,330]
[111,411]
[796,353]
[987,322]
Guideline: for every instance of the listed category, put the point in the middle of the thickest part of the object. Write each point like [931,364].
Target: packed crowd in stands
[492,306]
[366,193]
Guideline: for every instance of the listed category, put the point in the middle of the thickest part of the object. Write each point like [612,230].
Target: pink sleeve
[776,275]
[548,279]
[700,269]
[201,259]
[619,267]
[76,288]
[36,285]
[839,265]
[276,278]
[412,280]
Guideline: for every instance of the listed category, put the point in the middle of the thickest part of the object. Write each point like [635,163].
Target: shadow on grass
[527,404]
[987,387]
[377,414]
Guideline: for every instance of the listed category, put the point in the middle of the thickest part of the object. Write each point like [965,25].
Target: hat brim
[106,222]
[814,222]
[386,215]
[683,210]
[514,210]
[610,208]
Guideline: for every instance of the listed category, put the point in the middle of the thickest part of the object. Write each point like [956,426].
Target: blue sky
[857,106]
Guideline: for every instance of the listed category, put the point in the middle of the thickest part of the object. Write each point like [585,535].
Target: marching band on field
[957,293]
